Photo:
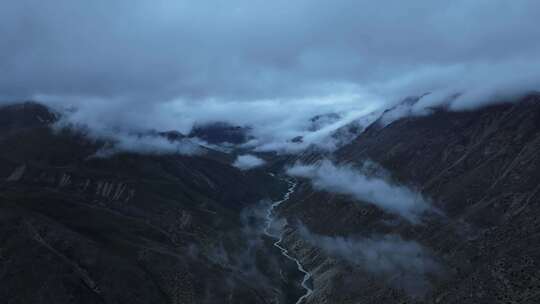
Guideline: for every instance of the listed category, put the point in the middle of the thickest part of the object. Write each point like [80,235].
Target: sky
[168,64]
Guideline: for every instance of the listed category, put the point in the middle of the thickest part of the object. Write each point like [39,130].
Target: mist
[407,263]
[249,254]
[375,190]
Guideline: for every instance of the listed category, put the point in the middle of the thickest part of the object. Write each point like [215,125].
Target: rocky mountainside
[129,228]
[479,169]
[171,228]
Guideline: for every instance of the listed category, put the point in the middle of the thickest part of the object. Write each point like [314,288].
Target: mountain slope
[479,168]
[125,229]
[172,228]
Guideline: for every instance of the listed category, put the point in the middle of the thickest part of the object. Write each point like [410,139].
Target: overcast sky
[169,63]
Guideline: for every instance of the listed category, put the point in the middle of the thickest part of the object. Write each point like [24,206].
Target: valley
[269,152]
[194,229]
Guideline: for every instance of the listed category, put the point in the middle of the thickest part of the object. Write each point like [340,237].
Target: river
[270,215]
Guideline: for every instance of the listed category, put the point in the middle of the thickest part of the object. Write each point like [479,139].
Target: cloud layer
[259,49]
[344,179]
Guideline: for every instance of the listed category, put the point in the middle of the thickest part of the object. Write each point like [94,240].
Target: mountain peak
[26,114]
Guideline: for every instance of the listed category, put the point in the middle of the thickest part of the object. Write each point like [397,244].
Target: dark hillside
[125,229]
[481,168]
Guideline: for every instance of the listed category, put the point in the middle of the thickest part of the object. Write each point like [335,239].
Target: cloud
[407,263]
[115,141]
[148,144]
[272,123]
[344,179]
[269,64]
[329,135]
[246,162]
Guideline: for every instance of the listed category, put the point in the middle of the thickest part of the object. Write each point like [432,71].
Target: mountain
[130,228]
[25,115]
[173,228]
[318,122]
[221,133]
[480,169]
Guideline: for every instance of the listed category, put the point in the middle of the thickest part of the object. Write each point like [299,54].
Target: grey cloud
[146,64]
[258,49]
[374,190]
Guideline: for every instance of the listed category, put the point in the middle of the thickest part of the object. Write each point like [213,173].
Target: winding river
[285,252]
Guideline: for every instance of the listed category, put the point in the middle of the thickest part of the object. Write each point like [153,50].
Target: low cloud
[248,161]
[327,136]
[406,263]
[148,144]
[116,141]
[271,123]
[376,190]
